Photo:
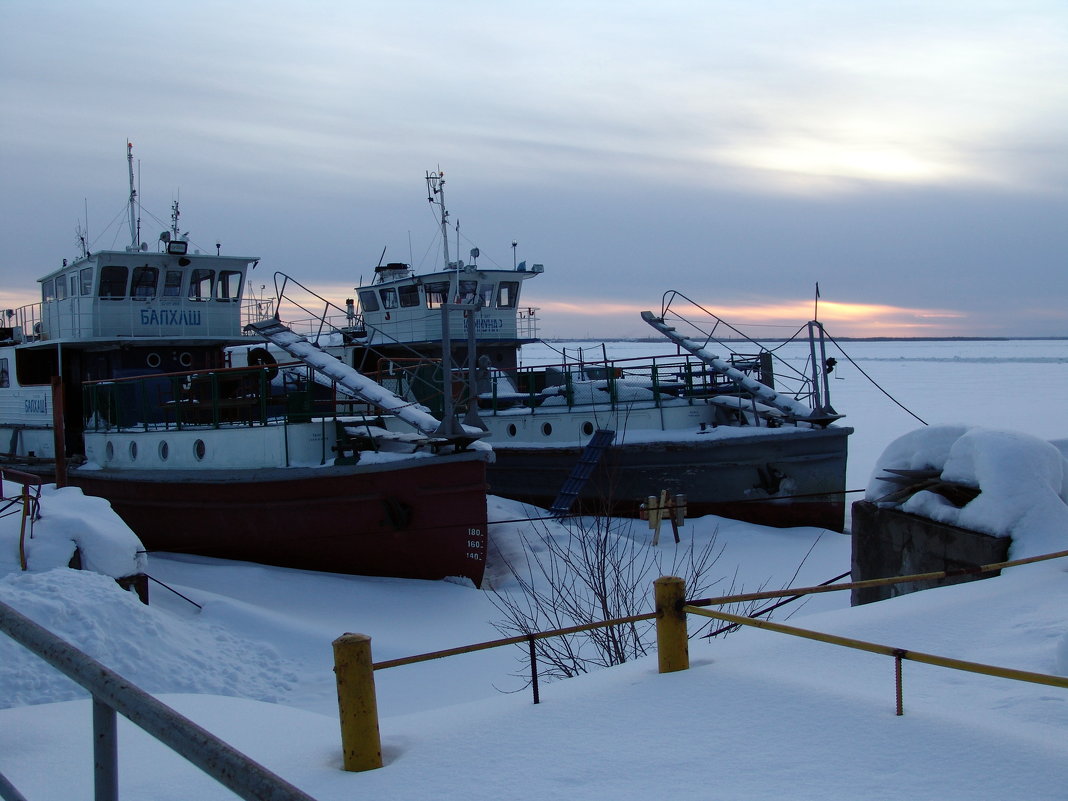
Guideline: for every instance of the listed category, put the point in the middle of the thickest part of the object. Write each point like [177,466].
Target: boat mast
[133,196]
[435,184]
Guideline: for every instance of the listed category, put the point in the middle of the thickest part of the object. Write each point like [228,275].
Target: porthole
[185,358]
[587,428]
[199,449]
[133,451]
[153,360]
[547,429]
[109,451]
[164,451]
[512,429]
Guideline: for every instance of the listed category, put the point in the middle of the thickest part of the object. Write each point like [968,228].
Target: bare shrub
[588,570]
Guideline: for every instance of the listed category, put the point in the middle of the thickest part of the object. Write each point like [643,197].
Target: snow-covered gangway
[352,381]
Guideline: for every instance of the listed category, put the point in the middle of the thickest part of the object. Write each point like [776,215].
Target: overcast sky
[911,157]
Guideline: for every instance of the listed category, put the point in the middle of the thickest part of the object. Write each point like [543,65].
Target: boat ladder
[581,472]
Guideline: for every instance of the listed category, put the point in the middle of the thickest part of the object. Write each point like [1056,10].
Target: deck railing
[24,322]
[197,398]
[655,380]
[27,504]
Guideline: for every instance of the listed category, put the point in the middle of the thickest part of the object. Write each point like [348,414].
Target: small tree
[587,570]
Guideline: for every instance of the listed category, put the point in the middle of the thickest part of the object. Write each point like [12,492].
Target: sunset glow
[842,319]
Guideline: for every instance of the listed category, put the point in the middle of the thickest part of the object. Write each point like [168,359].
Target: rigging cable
[873,381]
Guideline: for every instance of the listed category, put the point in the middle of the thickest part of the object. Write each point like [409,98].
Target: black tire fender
[261,357]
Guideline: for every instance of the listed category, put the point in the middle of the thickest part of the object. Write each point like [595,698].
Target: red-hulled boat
[120,375]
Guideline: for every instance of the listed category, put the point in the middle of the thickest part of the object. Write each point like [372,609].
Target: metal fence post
[361,745]
[672,642]
[105,752]
[534,669]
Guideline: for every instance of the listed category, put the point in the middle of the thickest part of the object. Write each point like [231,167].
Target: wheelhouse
[137,295]
[110,315]
[406,309]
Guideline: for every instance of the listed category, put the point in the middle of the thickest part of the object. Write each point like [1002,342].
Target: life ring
[260,357]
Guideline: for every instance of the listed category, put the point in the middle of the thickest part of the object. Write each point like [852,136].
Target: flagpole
[816,304]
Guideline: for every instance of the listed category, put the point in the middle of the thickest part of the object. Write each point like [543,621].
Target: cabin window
[143,285]
[508,295]
[437,294]
[34,367]
[389,298]
[467,292]
[200,284]
[485,291]
[172,284]
[73,285]
[61,288]
[229,286]
[5,380]
[86,278]
[113,282]
[369,301]
[409,295]
[48,291]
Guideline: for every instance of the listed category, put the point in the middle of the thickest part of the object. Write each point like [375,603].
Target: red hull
[424,518]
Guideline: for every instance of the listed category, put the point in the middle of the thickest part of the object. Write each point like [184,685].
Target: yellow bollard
[361,745]
[672,642]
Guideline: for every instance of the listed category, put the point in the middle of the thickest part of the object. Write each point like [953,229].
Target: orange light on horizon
[851,319]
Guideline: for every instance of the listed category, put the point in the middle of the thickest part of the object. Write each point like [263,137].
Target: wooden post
[361,745]
[22,527]
[59,436]
[652,504]
[672,642]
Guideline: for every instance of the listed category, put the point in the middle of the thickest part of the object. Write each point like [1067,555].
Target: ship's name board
[170,317]
[35,406]
[488,325]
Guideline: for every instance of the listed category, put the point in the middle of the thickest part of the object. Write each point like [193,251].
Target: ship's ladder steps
[581,472]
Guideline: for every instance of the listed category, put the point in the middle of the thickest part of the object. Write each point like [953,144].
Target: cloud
[903,152]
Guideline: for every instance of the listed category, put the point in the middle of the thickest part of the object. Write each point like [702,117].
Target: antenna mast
[133,196]
[435,183]
[174,219]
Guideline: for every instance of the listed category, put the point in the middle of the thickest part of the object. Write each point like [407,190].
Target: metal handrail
[112,693]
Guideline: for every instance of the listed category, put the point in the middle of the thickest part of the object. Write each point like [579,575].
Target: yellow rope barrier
[876,648]
[758,596]
[725,599]
[537,635]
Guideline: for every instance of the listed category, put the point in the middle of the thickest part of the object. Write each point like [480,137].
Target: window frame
[110,284]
